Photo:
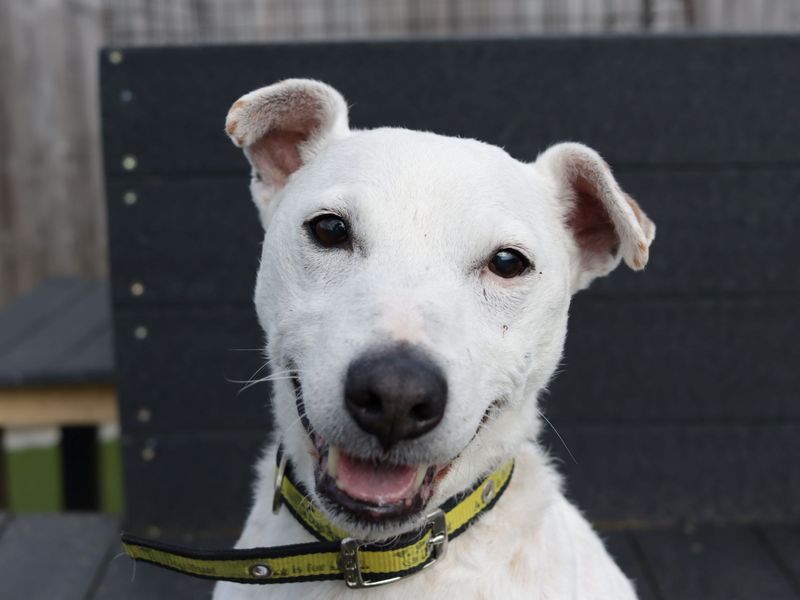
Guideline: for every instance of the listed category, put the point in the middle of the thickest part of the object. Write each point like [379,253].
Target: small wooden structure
[678,396]
[56,390]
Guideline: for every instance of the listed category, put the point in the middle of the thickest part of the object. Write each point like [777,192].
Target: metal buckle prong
[351,565]
[439,538]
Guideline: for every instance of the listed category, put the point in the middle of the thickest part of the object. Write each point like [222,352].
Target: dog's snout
[395,395]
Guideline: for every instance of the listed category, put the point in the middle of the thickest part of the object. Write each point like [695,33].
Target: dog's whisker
[249,379]
[245,349]
[278,376]
[546,420]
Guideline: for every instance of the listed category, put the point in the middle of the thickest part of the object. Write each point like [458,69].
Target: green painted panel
[34,479]
[110,472]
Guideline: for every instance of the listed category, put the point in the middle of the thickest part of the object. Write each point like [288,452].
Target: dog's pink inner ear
[277,155]
[592,227]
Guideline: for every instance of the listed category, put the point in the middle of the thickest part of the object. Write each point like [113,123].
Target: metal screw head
[115,57]
[130,198]
[488,492]
[144,415]
[260,570]
[148,453]
[137,288]
[125,96]
[140,332]
[129,162]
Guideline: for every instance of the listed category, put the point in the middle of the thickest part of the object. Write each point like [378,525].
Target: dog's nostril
[422,411]
[395,394]
[373,403]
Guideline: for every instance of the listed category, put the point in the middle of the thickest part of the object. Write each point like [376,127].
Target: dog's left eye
[508,263]
[329,230]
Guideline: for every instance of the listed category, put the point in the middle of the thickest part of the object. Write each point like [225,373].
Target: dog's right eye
[329,230]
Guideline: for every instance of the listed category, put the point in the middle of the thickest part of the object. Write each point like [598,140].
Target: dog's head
[414,291]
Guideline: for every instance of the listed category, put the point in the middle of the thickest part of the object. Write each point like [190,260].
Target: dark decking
[78,557]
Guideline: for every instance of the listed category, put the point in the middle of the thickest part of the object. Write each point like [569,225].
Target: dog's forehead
[405,165]
[395,176]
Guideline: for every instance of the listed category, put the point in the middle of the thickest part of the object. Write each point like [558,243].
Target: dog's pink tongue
[374,483]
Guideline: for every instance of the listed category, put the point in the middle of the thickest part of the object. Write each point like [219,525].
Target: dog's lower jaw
[533,544]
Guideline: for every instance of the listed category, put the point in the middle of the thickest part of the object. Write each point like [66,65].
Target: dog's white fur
[426,214]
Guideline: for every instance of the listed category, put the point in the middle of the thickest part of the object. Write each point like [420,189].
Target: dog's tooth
[333,461]
[421,471]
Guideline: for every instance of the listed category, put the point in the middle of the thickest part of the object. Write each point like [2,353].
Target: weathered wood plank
[40,406]
[625,100]
[51,217]
[54,556]
[180,21]
[712,563]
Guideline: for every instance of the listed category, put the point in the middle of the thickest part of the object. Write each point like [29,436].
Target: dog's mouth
[372,490]
[369,489]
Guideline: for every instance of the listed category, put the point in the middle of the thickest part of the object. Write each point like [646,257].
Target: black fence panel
[679,392]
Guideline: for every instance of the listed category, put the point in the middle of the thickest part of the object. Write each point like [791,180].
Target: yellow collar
[335,556]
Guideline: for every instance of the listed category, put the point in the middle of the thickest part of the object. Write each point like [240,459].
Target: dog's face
[414,291]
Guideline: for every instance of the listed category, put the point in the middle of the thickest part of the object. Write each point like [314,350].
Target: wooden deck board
[713,563]
[621,547]
[784,542]
[125,580]
[54,556]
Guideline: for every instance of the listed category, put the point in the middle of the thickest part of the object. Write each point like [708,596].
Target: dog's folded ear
[283,126]
[605,222]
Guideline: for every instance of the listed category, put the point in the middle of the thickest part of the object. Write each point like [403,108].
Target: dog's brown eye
[330,230]
[508,263]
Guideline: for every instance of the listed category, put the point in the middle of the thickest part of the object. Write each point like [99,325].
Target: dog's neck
[265,528]
[449,520]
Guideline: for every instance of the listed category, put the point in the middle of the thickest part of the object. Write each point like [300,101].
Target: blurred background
[52,219]
[698,416]
[57,398]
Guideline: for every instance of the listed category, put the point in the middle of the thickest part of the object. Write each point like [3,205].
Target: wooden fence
[51,210]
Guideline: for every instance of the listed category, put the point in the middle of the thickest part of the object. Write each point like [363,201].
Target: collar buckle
[351,564]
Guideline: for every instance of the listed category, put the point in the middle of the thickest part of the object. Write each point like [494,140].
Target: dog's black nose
[396,394]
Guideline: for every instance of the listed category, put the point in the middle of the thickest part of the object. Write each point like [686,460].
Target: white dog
[414,291]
